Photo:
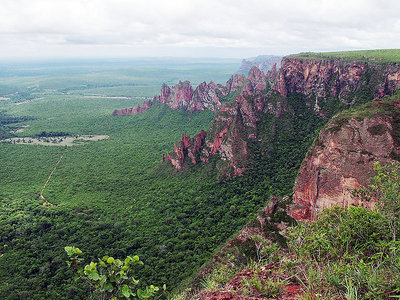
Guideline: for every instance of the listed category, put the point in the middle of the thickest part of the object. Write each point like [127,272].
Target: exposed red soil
[234,288]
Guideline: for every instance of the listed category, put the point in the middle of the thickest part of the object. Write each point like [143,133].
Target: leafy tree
[110,278]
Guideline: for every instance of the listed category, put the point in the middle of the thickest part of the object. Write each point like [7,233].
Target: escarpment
[133,110]
[235,123]
[321,87]
[183,97]
[264,63]
[345,82]
[208,96]
[342,157]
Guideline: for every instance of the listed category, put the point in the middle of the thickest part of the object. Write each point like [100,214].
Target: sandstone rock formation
[179,96]
[235,83]
[183,97]
[262,62]
[187,147]
[319,80]
[317,84]
[341,159]
[208,95]
[133,110]
[234,123]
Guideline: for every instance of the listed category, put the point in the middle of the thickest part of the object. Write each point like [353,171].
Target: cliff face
[234,124]
[209,95]
[315,85]
[187,147]
[341,159]
[183,97]
[262,62]
[347,81]
[179,96]
[133,110]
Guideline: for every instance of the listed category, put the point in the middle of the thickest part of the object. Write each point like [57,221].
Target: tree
[110,278]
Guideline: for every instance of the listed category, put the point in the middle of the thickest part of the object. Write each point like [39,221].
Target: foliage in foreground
[347,253]
[386,187]
[353,252]
[344,254]
[110,278]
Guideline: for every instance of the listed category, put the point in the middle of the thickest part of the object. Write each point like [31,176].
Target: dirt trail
[48,179]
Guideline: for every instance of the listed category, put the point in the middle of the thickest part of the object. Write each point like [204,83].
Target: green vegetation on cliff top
[385,107]
[379,55]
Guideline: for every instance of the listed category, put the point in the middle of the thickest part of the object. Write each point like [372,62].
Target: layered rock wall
[342,157]
[263,62]
[208,96]
[234,124]
[321,79]
[133,110]
[183,97]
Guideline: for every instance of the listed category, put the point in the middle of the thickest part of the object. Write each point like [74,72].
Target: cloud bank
[194,28]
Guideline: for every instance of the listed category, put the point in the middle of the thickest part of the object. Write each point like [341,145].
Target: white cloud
[176,27]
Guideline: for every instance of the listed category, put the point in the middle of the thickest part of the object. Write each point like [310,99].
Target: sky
[194,28]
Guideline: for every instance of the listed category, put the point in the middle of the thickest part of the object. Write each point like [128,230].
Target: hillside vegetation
[115,197]
[112,197]
[381,55]
[108,197]
[346,253]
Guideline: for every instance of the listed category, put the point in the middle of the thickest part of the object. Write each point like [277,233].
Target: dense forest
[116,197]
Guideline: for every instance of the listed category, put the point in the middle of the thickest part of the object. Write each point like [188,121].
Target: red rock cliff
[133,110]
[207,96]
[321,79]
[183,97]
[341,159]
[234,123]
[187,147]
[318,84]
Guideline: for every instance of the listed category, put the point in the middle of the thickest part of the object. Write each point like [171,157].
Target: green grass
[379,55]
[383,108]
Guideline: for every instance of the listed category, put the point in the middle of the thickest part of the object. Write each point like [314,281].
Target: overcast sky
[193,28]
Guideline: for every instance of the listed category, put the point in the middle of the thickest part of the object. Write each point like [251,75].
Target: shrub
[340,232]
[110,278]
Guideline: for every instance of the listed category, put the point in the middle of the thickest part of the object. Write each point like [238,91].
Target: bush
[341,232]
[110,278]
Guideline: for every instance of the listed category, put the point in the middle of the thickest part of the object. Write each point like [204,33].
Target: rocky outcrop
[347,81]
[262,62]
[323,85]
[183,97]
[187,147]
[234,124]
[133,110]
[235,83]
[180,96]
[258,79]
[341,159]
[165,92]
[207,96]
